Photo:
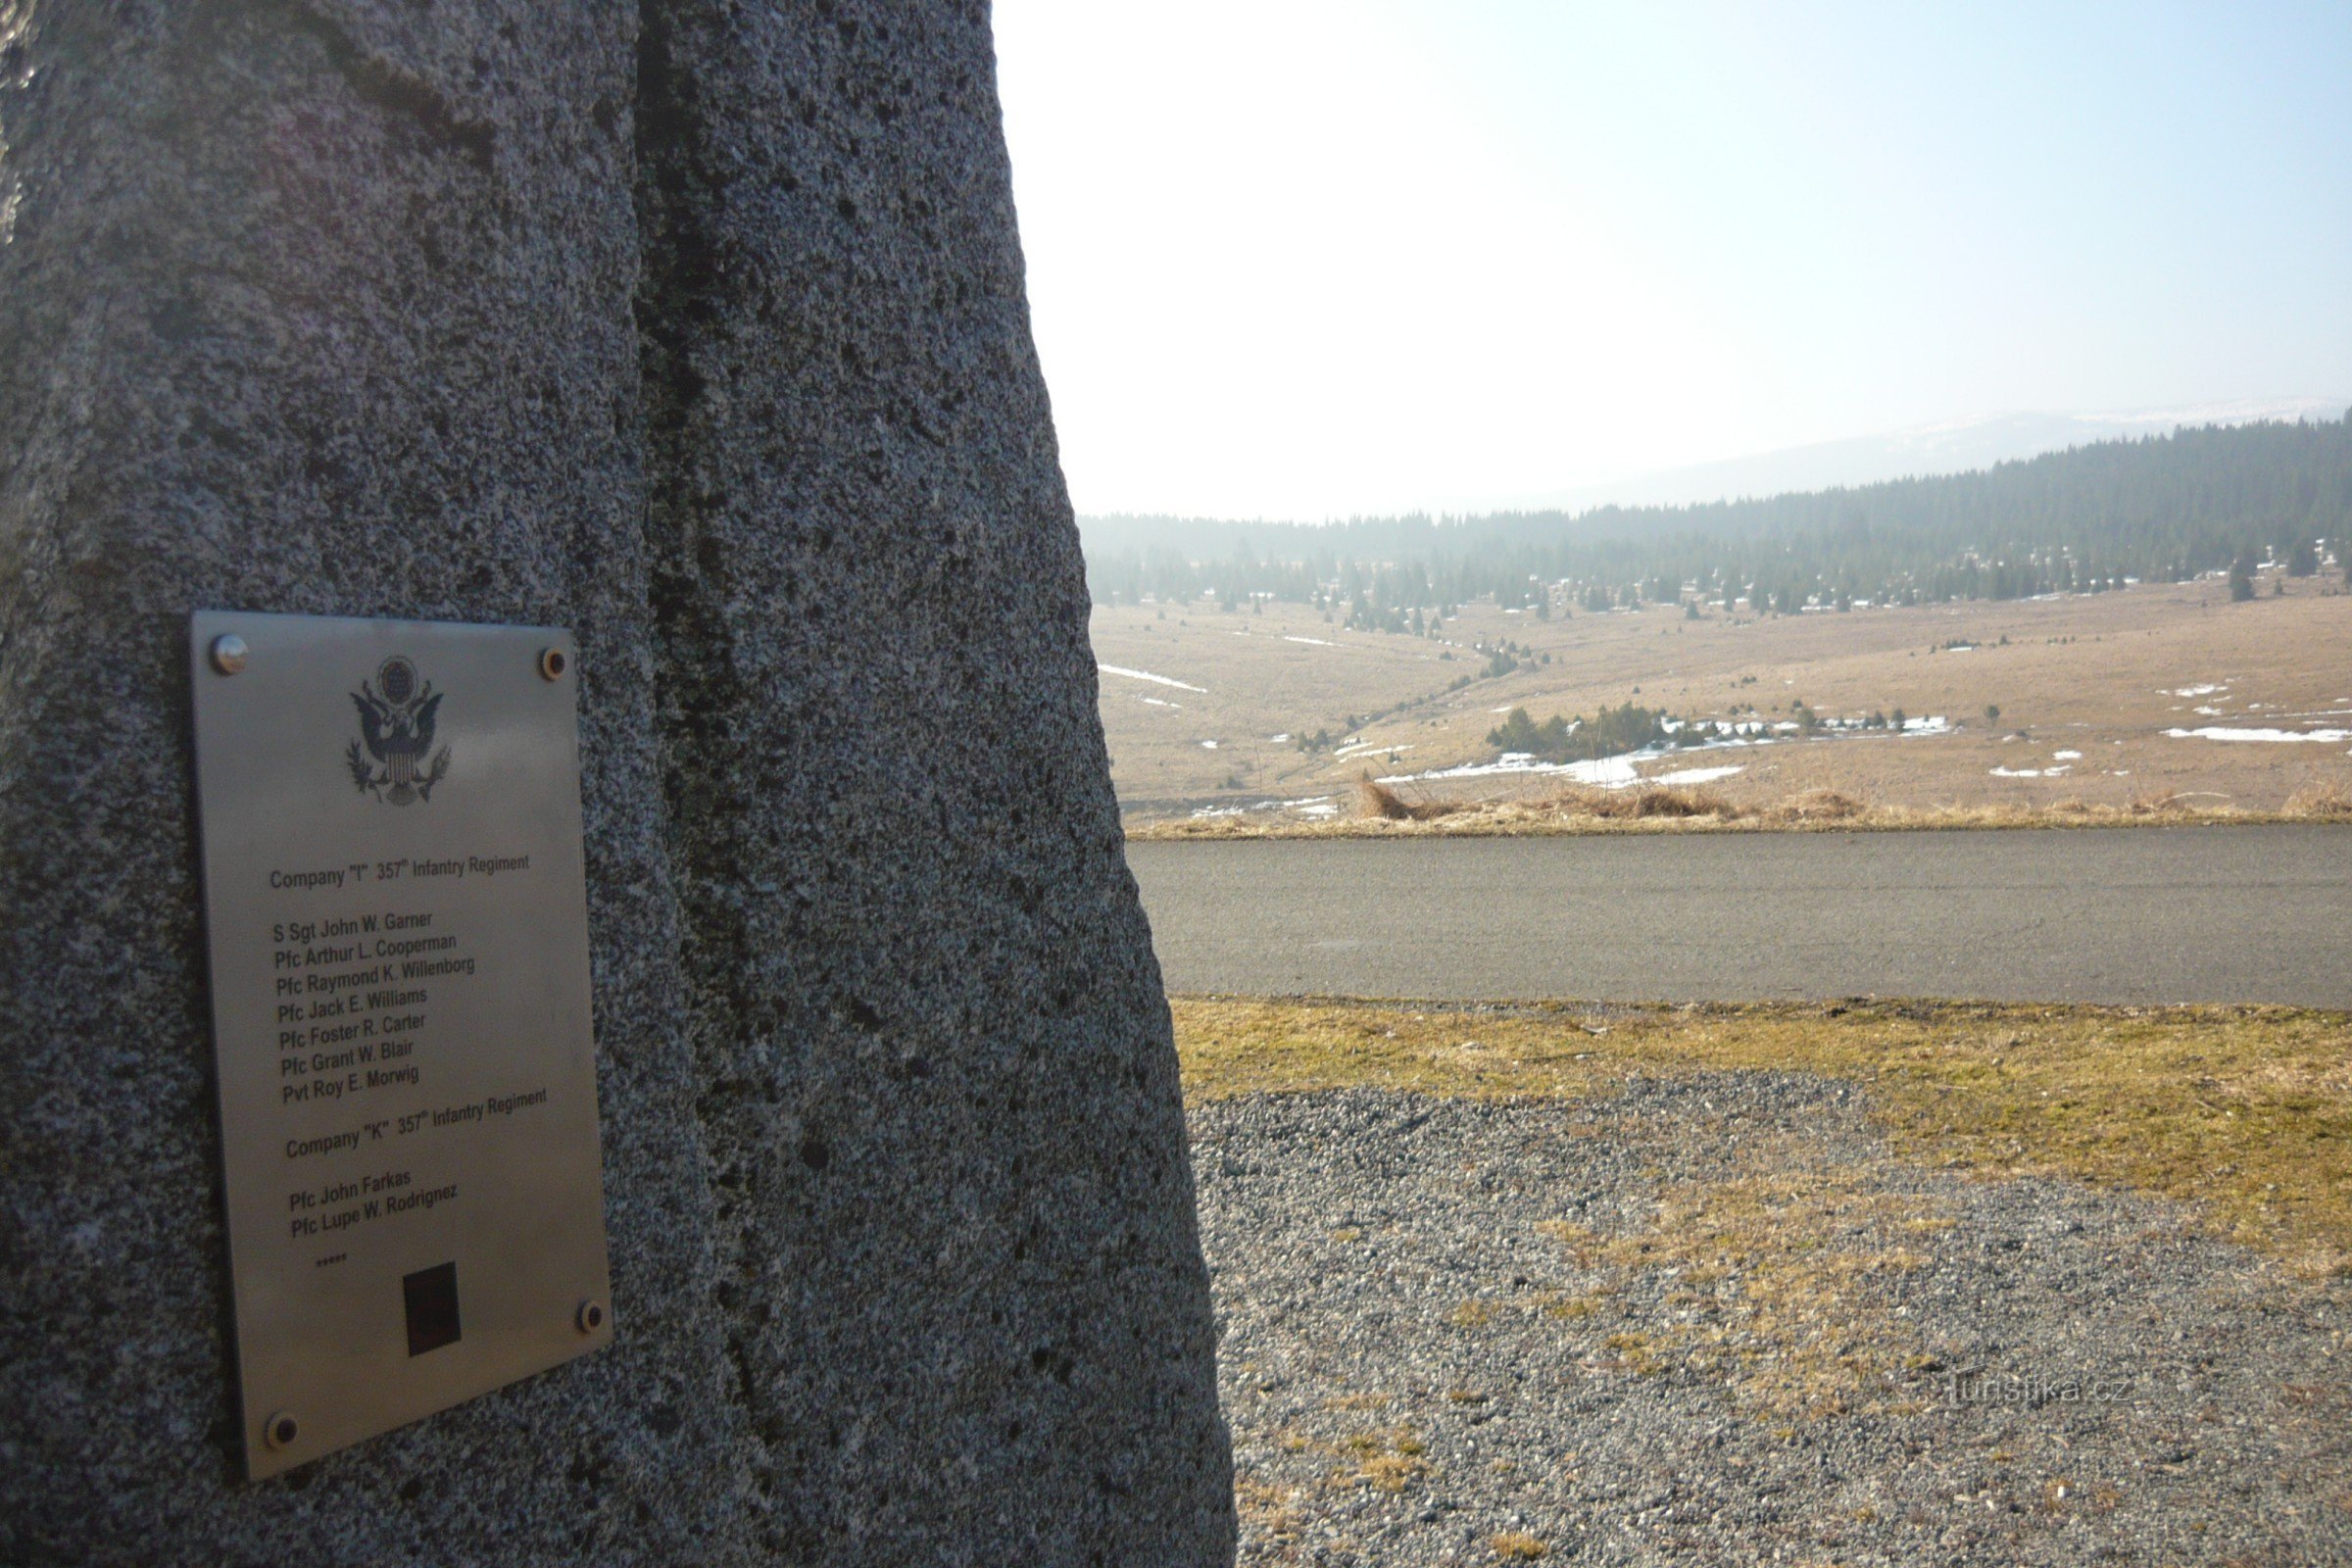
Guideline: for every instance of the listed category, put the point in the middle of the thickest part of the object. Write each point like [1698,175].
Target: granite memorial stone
[697,329]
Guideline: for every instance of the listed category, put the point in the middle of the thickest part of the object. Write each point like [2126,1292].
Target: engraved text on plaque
[396,920]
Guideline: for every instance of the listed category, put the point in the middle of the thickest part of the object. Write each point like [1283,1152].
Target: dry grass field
[2088,690]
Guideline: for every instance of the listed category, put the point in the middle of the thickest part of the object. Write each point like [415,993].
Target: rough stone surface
[698,328]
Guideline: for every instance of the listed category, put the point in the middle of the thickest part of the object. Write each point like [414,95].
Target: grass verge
[2246,1113]
[1383,812]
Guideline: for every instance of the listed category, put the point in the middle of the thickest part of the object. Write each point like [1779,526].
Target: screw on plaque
[553,663]
[228,653]
[590,1317]
[280,1430]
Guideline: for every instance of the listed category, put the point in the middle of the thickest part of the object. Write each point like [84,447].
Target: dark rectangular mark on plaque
[432,1300]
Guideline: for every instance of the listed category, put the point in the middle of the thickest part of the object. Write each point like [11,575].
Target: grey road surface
[2127,915]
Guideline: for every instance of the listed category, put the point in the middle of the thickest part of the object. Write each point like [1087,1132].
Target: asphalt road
[2127,915]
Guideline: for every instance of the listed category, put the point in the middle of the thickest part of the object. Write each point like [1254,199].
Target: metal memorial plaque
[396,912]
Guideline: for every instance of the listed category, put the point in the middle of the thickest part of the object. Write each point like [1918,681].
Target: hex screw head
[553,663]
[228,653]
[280,1430]
[590,1317]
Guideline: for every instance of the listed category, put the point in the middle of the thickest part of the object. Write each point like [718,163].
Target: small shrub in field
[1517,1545]
[1818,806]
[1648,801]
[1576,802]
[1658,800]
[2155,805]
[1376,800]
[2330,798]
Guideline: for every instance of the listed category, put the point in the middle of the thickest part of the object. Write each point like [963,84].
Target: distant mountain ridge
[1948,446]
[1924,450]
[2156,507]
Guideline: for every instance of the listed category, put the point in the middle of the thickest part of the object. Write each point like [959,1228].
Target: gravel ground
[1711,1319]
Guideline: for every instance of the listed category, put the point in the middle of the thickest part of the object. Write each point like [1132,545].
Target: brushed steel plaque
[396,915]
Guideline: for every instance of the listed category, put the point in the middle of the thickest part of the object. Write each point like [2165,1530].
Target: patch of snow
[1605,772]
[1699,776]
[2016,772]
[2068,757]
[1160,702]
[1315,642]
[2217,732]
[2211,712]
[1930,724]
[1320,809]
[2205,690]
[1145,675]
[1208,746]
[1275,740]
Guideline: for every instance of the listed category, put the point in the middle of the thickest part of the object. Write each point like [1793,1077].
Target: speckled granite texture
[698,328]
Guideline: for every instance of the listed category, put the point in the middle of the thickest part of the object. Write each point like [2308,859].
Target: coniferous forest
[2165,508]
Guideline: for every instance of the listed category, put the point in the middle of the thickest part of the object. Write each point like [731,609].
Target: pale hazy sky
[1292,259]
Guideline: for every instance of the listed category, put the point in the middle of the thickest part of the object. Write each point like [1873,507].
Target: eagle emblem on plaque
[396,736]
